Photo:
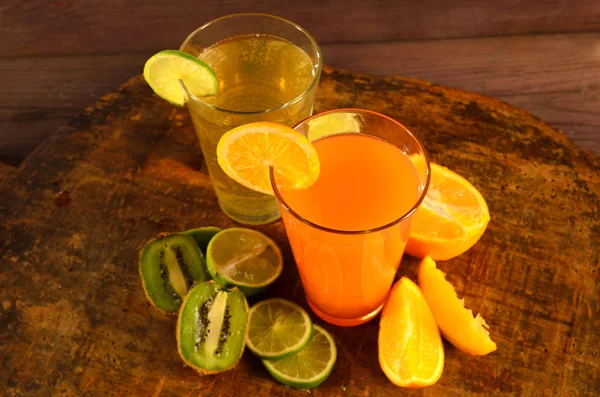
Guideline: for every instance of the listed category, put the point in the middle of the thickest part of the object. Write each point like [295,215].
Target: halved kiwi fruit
[212,327]
[170,265]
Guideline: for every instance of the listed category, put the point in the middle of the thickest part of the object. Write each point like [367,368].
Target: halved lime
[243,258]
[277,328]
[164,70]
[310,366]
[202,236]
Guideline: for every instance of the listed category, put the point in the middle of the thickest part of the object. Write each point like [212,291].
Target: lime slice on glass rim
[277,328]
[164,70]
[310,366]
[243,258]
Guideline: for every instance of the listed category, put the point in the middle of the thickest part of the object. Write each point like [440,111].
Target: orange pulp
[410,349]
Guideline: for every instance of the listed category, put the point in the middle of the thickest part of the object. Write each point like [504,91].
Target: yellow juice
[258,77]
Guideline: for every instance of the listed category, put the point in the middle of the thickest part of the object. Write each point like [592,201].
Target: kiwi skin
[204,371]
[158,237]
[202,236]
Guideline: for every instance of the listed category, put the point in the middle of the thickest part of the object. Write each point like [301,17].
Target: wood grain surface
[74,320]
[6,172]
[93,26]
[555,77]
[59,56]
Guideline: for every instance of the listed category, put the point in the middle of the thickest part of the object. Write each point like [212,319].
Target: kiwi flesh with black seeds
[170,265]
[212,327]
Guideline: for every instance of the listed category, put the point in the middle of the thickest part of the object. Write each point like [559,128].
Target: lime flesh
[278,328]
[167,70]
[243,258]
[310,366]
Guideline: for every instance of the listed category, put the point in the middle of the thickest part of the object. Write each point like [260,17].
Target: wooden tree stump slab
[74,320]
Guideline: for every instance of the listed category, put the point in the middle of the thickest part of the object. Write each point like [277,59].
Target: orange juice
[350,248]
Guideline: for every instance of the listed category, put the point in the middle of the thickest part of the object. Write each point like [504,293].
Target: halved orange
[457,324]
[411,353]
[245,154]
[451,218]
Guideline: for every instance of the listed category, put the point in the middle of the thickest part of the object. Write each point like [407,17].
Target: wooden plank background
[59,56]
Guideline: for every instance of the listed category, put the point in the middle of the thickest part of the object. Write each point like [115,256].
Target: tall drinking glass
[348,231]
[268,70]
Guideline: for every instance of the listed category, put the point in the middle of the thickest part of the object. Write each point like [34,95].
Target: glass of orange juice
[349,229]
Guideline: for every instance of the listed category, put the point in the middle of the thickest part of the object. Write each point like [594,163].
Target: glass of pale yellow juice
[268,69]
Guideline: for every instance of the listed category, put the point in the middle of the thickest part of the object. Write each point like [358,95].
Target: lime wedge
[243,258]
[164,70]
[202,236]
[277,328]
[310,366]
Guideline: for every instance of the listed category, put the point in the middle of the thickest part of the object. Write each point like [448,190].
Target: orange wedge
[247,152]
[457,324]
[411,353]
[451,218]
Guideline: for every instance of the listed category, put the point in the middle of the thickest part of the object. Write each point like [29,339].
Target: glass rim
[418,202]
[318,67]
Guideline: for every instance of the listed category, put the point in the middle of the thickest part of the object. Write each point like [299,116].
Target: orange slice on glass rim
[247,152]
